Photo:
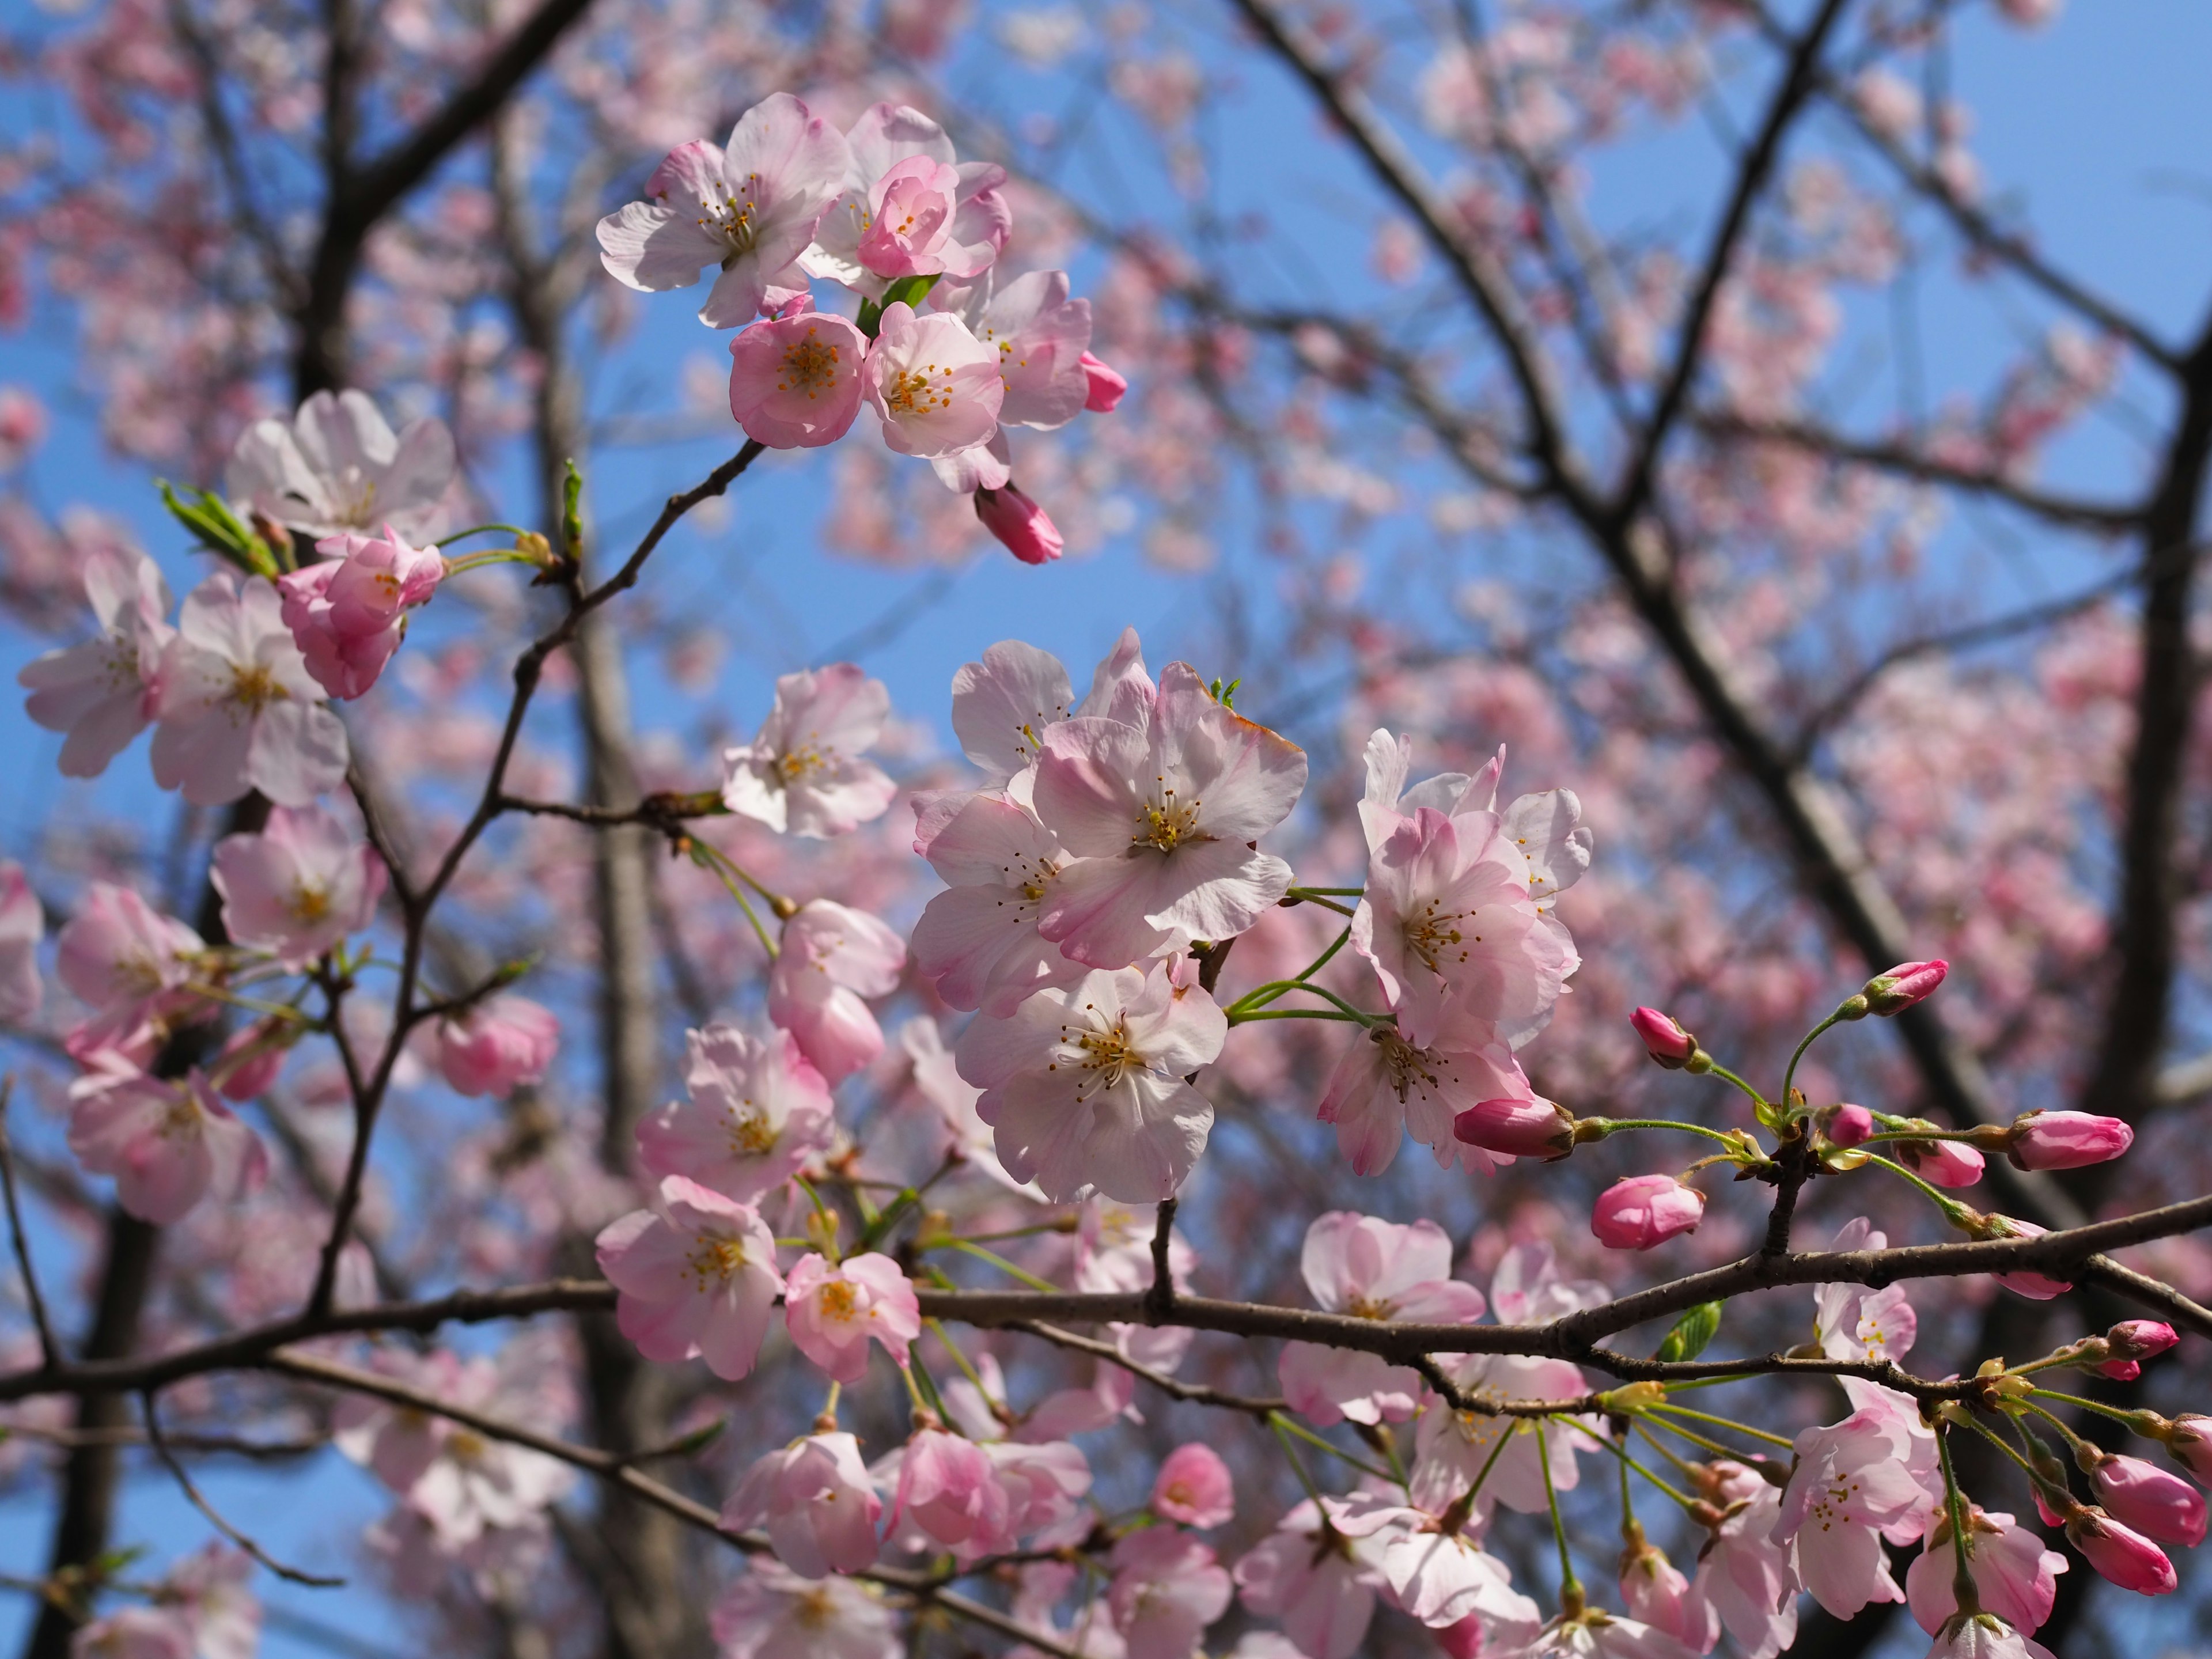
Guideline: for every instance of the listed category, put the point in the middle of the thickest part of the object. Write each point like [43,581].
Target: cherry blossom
[1105,387]
[757,1109]
[1856,1483]
[102,692]
[795,379]
[347,613]
[167,1144]
[1314,1576]
[1853,1322]
[832,1311]
[2014,1576]
[133,1632]
[1371,1269]
[697,1275]
[2120,1554]
[1161,814]
[804,773]
[337,467]
[130,964]
[1438,1575]
[934,385]
[1194,1487]
[1384,1088]
[1086,1087]
[210,1588]
[1655,1593]
[1746,1578]
[497,1046]
[237,707]
[978,940]
[1985,1635]
[884,137]
[1167,1589]
[832,957]
[1040,335]
[2066,1140]
[816,1500]
[22,925]
[297,888]
[751,208]
[772,1612]
[1592,1634]
[2157,1502]
[1002,705]
[937,1078]
[948,1487]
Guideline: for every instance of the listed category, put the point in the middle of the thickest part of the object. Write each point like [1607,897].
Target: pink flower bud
[1664,1039]
[2035,1286]
[2120,1554]
[1943,1162]
[1645,1210]
[1908,982]
[1194,1487]
[1020,525]
[1850,1125]
[2140,1339]
[2051,1517]
[497,1046]
[2066,1140]
[1524,1129]
[2154,1503]
[2189,1441]
[1107,386]
[246,1069]
[2120,1370]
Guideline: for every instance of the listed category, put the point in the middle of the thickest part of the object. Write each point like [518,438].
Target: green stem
[708,859]
[1279,1424]
[479,530]
[1570,1588]
[1313,895]
[2112,1412]
[1261,996]
[1002,1265]
[1729,1141]
[1963,1589]
[1725,1422]
[1790,1072]
[1951,1208]
[1332,1449]
[1727,1076]
[1308,1013]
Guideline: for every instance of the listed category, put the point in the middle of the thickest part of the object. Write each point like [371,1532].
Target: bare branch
[291,1575]
[49,1349]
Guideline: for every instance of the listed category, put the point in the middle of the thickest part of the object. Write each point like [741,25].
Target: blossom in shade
[2189,1442]
[1856,1483]
[1664,1039]
[1318,1581]
[168,1144]
[211,1589]
[695,1274]
[1104,386]
[885,137]
[2015,1577]
[1168,1587]
[1744,1576]
[1655,1592]
[1643,1211]
[1985,1635]
[934,385]
[751,208]
[2120,1554]
[2130,1343]
[816,1502]
[978,940]
[497,1046]
[2157,1502]
[1162,811]
[755,1111]
[1942,1163]
[127,962]
[795,379]
[805,774]
[1087,1088]
[1451,1448]
[1516,1126]
[771,1612]
[937,1079]
[337,467]
[832,958]
[102,691]
[1371,1269]
[22,925]
[1384,1088]
[1020,525]
[1194,1487]
[1042,1481]
[238,709]
[832,1311]
[299,887]
[347,613]
[2066,1140]
[1908,982]
[2025,1281]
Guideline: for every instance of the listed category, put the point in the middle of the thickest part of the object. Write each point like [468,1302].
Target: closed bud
[2189,1439]
[2140,1339]
[1908,982]
[1943,1162]
[2120,1554]
[1849,1126]
[1643,1211]
[1524,1129]
[1664,1039]
[2066,1141]
[2156,1503]
[1023,527]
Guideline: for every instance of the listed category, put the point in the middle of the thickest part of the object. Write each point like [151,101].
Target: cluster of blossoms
[884,212]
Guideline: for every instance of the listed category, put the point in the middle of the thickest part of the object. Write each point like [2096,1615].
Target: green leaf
[1692,1333]
[572,516]
[927,1383]
[221,531]
[698,1440]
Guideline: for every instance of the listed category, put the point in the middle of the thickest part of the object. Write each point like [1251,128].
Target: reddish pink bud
[1645,1210]
[246,1069]
[1943,1162]
[2035,1286]
[2140,1339]
[1019,524]
[2120,1554]
[2120,1370]
[1524,1129]
[2189,1439]
[1107,386]
[2066,1140]
[1664,1039]
[2051,1517]
[1908,982]
[2156,1503]
[1850,1125]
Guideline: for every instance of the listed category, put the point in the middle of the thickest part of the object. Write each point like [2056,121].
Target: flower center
[253,688]
[735,218]
[717,1258]
[1169,825]
[1107,1056]
[812,1609]
[800,764]
[466,1446]
[751,1135]
[810,366]
[353,498]
[1361,1307]
[910,392]
[1434,936]
[1405,1066]
[182,1119]
[838,1300]
[310,903]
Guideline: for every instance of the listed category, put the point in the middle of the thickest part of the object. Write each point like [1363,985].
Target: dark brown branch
[198,1500]
[49,1349]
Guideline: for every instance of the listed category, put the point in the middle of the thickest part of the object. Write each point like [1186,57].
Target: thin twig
[48,1347]
[292,1575]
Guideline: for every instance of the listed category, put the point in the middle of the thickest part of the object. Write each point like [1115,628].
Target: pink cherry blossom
[1371,1269]
[695,1275]
[238,709]
[1086,1087]
[2014,1576]
[804,773]
[2189,1441]
[1041,1481]
[2156,1503]
[771,1612]
[1002,705]
[247,1065]
[757,1109]
[832,1312]
[886,135]
[2066,1140]
[299,887]
[127,962]
[1168,1588]
[1039,334]
[1655,1592]
[136,1632]
[1437,1574]
[978,940]
[1894,992]
[1748,1579]
[2025,1281]
[1020,525]
[167,1144]
[337,467]
[1664,1039]
[209,1587]
[497,1046]
[816,1501]
[1384,1088]
[22,925]
[1942,1163]
[934,385]
[937,1079]
[832,957]
[2120,1554]
[750,209]
[910,213]
[1855,1483]
[1640,1211]
[1451,1448]
[1850,1125]
[1595,1635]
[949,1488]
[1985,1635]
[347,614]
[795,380]
[1853,1322]
[1317,1580]
[102,692]
[1104,387]
[1162,815]
[1193,1486]
[1516,1125]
